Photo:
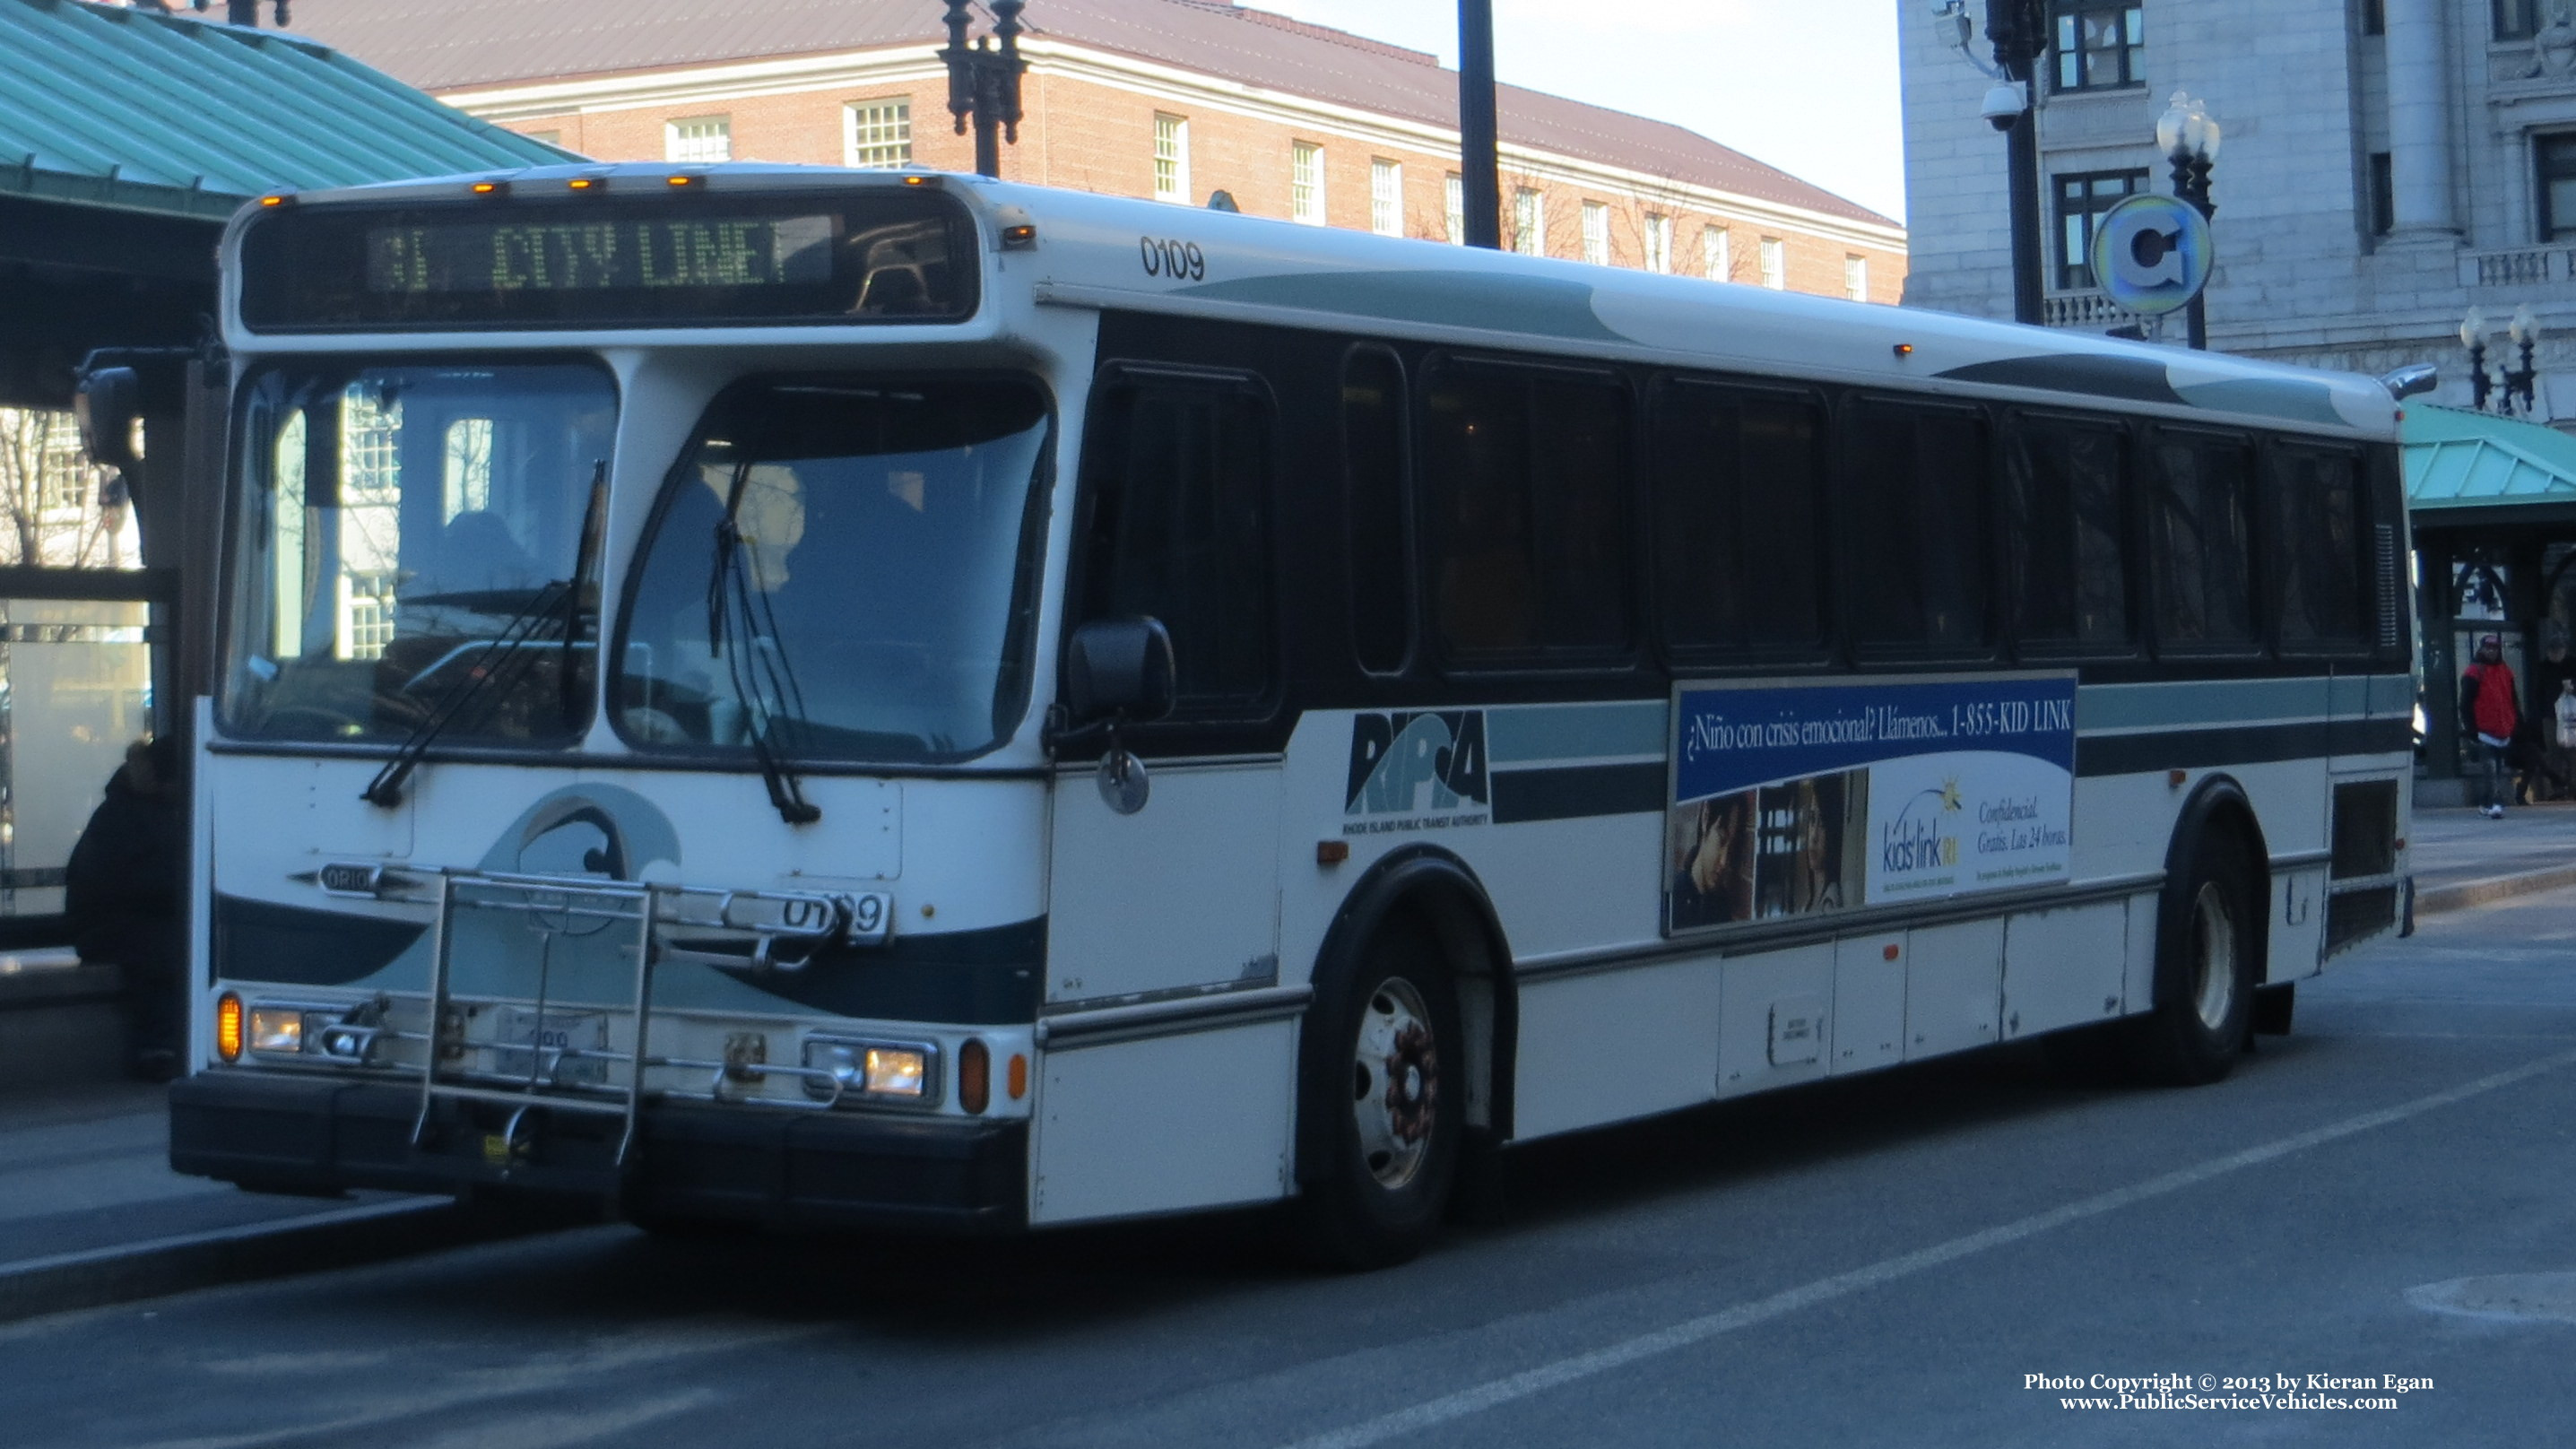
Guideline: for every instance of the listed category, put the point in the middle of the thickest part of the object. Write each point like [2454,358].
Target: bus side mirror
[106,405]
[1119,668]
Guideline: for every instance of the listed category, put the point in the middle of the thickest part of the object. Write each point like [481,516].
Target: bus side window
[1915,525]
[1525,494]
[2316,521]
[1379,556]
[1734,478]
[1179,531]
[2197,533]
[2065,505]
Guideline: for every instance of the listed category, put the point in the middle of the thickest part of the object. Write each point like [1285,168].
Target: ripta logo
[1393,756]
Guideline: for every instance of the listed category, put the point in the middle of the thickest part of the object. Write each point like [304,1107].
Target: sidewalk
[2463,859]
[90,1211]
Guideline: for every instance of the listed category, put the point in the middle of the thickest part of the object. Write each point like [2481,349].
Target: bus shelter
[2494,507]
[127,137]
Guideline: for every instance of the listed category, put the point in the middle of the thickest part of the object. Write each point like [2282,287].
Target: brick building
[1172,99]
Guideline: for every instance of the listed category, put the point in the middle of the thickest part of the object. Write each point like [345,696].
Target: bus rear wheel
[1391,1093]
[2207,958]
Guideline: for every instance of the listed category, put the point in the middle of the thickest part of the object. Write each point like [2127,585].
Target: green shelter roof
[137,109]
[2459,461]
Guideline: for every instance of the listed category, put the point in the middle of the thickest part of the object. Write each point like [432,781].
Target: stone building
[1171,99]
[2387,165]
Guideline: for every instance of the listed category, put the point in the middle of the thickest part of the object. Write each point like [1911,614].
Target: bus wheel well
[1434,897]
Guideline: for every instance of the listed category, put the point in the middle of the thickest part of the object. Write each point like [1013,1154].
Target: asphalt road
[2389,1192]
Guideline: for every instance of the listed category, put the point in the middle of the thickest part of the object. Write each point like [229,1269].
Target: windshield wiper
[558,604]
[728,591]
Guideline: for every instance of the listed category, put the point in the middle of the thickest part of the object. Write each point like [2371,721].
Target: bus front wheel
[1390,1088]
[2207,961]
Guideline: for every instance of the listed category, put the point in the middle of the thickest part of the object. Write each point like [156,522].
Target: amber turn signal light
[228,1027]
[1019,1076]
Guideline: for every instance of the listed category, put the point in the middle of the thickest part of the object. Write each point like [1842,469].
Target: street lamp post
[1480,167]
[2189,135]
[984,82]
[2018,30]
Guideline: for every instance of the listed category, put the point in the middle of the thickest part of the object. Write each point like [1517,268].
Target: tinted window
[2316,521]
[1917,526]
[2196,522]
[1735,476]
[1179,502]
[1524,482]
[1373,508]
[2065,485]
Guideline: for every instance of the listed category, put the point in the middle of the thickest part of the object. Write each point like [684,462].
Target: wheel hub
[1395,1076]
[2213,943]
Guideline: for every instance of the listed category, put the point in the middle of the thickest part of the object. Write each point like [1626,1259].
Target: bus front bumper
[776,1167]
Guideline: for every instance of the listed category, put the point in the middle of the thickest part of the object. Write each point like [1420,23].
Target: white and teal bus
[888,699]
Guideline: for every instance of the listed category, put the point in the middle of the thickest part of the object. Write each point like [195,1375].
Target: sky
[1807,87]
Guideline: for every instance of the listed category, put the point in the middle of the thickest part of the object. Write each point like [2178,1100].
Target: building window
[1775,264]
[2098,44]
[1856,278]
[2383,195]
[1596,233]
[1306,183]
[1171,158]
[1529,222]
[698,139]
[1717,254]
[1386,197]
[2516,19]
[2081,200]
[2557,157]
[1659,243]
[1453,194]
[551,138]
[877,135]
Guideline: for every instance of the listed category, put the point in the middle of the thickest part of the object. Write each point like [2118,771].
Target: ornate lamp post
[2188,135]
[2509,384]
[984,82]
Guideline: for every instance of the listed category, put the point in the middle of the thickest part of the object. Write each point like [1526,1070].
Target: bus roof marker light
[491,188]
[585,183]
[278,198]
[1904,350]
[683,182]
[1019,230]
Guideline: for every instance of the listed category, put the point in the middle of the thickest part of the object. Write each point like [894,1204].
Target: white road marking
[377,1410]
[1497,1392]
[559,1429]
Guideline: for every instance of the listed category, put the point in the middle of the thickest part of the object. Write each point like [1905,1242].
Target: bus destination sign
[574,256]
[870,255]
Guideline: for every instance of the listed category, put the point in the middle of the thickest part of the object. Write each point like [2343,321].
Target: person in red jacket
[2490,709]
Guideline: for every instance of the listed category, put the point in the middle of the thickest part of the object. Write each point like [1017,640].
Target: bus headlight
[276,1031]
[882,1071]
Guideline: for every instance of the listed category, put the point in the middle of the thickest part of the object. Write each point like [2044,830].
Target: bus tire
[1388,1084]
[2207,958]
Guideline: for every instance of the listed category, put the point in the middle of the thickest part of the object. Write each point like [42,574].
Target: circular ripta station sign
[2151,253]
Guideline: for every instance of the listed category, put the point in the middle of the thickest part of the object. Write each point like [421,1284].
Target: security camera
[2004,104]
[1950,19]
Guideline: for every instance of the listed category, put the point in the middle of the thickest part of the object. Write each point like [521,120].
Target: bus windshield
[842,568]
[407,541]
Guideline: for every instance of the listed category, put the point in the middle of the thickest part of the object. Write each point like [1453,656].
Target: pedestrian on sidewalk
[124,888]
[2488,713]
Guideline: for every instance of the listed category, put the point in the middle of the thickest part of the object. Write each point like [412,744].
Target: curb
[127,1272]
[2465,894]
